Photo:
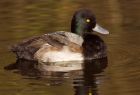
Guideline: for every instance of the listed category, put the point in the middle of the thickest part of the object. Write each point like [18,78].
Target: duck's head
[84,21]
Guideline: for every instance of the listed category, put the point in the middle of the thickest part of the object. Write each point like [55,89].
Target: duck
[61,46]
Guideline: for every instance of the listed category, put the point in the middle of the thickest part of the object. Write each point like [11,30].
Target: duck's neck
[78,28]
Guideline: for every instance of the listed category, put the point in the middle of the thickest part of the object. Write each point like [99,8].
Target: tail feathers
[13,48]
[24,52]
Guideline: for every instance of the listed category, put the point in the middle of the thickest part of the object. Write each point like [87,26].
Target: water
[21,19]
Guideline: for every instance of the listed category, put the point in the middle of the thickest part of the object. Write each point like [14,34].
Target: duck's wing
[27,48]
[72,37]
[62,37]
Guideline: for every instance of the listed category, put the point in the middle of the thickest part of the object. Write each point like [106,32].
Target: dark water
[20,19]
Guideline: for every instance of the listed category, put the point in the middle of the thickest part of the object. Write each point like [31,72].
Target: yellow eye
[88,20]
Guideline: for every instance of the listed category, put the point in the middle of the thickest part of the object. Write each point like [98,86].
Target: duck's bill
[99,29]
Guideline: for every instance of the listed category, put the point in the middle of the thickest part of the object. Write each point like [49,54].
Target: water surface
[20,19]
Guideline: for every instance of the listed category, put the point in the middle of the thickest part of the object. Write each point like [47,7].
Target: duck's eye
[88,20]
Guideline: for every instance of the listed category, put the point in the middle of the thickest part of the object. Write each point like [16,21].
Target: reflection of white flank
[61,66]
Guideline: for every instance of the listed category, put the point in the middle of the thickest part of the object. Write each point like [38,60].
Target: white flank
[64,55]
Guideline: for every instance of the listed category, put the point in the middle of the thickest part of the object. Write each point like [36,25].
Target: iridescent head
[84,21]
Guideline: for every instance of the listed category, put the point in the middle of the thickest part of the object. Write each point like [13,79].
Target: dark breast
[93,47]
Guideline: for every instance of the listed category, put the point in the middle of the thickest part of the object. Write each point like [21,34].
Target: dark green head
[84,21]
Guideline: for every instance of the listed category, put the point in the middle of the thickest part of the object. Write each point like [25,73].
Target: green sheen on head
[84,21]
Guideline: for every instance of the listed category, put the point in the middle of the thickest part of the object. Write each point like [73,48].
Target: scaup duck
[77,45]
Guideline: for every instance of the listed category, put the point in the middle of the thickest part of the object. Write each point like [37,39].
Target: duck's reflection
[88,82]
[85,81]
[24,67]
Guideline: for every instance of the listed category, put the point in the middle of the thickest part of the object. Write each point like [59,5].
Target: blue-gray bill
[99,29]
